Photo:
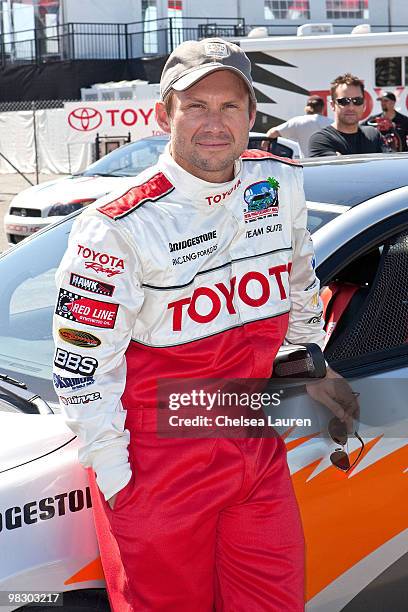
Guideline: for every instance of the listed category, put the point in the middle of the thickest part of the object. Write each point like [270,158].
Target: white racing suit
[177,277]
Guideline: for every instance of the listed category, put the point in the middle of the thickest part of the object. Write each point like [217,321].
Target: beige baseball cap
[193,60]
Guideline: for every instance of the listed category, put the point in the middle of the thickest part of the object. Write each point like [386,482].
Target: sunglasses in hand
[338,433]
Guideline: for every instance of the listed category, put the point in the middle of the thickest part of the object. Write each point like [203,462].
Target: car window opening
[364,302]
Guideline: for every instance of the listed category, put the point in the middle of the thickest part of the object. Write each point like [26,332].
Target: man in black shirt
[388,101]
[345,136]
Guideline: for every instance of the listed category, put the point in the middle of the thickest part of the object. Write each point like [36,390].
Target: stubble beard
[209,164]
[205,164]
[348,122]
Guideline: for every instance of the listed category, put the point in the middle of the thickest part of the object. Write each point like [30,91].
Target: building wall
[399,12]
[102,11]
[107,11]
[125,11]
[210,8]
[253,13]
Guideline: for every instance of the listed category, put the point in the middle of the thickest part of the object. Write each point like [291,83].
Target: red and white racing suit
[177,277]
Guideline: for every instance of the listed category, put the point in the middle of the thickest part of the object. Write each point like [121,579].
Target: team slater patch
[262,200]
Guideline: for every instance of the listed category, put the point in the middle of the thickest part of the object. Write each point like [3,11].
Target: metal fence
[72,41]
[31,105]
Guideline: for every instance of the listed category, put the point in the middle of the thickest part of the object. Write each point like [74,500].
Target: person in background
[302,127]
[400,121]
[345,136]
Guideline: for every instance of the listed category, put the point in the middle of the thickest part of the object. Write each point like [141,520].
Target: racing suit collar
[201,193]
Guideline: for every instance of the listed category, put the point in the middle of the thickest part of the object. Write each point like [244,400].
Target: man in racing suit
[200,268]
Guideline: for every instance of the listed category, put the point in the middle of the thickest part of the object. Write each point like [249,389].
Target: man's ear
[162,117]
[332,105]
[252,118]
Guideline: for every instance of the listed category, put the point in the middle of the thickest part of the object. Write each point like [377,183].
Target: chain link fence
[32,105]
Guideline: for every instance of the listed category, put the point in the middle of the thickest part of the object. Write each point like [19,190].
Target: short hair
[168,102]
[315,103]
[346,79]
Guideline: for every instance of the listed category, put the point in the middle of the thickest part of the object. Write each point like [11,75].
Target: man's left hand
[334,392]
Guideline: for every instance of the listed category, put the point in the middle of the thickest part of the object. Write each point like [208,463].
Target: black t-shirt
[330,141]
[401,126]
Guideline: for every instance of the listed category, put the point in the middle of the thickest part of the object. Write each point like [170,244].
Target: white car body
[46,523]
[42,197]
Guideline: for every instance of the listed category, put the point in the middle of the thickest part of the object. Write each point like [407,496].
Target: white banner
[84,120]
[55,155]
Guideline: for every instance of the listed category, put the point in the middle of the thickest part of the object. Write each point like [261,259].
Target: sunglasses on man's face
[357,101]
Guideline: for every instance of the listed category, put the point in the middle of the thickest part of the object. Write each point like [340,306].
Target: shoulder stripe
[257,154]
[150,191]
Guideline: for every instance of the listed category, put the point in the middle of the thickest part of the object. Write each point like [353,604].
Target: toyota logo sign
[85,119]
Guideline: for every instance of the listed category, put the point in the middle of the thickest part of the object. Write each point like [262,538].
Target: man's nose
[214,120]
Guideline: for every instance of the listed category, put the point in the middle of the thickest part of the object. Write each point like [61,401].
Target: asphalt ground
[10,185]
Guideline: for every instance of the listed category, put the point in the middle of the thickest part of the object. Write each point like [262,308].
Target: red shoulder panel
[151,191]
[255,154]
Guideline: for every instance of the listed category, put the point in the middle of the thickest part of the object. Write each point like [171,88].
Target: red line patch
[84,310]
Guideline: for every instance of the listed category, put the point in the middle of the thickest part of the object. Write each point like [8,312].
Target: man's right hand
[111,501]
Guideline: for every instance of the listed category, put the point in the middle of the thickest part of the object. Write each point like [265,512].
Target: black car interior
[376,317]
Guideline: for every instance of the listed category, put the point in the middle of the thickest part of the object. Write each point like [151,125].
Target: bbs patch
[77,364]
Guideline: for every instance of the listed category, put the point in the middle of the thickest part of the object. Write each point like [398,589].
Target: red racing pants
[203,525]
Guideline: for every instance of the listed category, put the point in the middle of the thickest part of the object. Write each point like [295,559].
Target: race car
[355,519]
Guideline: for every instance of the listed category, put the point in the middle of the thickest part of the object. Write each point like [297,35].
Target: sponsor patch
[85,310]
[260,231]
[217,50]
[80,399]
[97,267]
[262,200]
[77,364]
[205,302]
[91,285]
[218,197]
[176,261]
[189,242]
[105,263]
[78,337]
[62,382]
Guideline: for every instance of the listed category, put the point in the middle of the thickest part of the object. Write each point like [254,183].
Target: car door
[355,523]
